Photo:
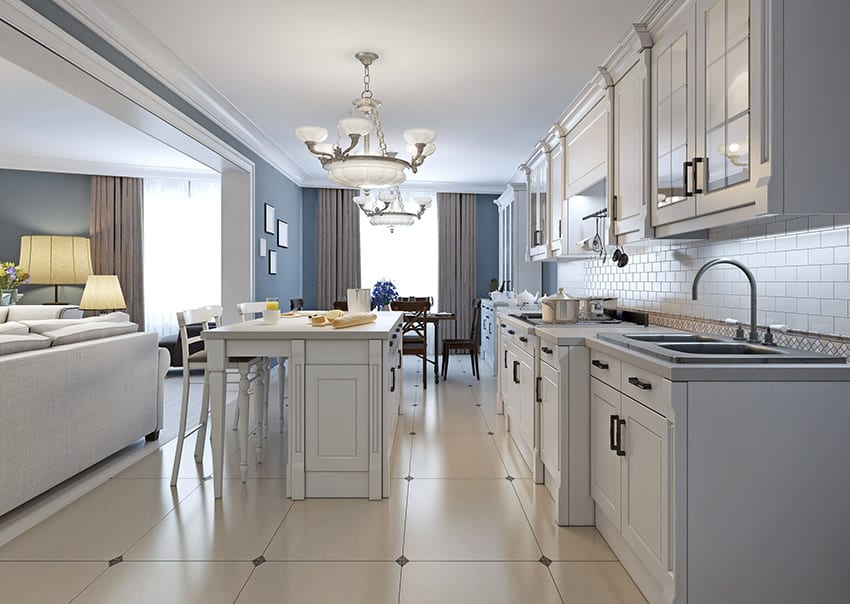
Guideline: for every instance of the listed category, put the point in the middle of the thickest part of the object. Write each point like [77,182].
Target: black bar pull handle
[697,188]
[511,332]
[392,371]
[642,385]
[523,339]
[516,377]
[599,364]
[506,359]
[613,435]
[620,424]
[685,166]
[537,390]
[399,358]
[546,350]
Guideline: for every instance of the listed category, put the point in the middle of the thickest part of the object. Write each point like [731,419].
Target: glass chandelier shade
[350,161]
[388,209]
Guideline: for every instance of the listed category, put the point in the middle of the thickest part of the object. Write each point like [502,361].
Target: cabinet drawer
[549,355]
[524,341]
[646,387]
[605,367]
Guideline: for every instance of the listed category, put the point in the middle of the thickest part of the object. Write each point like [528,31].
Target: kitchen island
[344,400]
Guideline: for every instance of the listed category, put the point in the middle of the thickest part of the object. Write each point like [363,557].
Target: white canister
[359,300]
[271,316]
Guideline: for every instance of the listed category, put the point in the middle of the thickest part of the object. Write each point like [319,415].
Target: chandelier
[387,208]
[358,167]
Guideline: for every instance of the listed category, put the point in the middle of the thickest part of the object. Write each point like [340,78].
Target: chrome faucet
[754,335]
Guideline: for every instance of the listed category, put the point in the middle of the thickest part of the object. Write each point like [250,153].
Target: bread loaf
[318,320]
[333,315]
[355,318]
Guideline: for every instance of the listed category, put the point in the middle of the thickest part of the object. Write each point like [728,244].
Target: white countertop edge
[299,328]
[732,372]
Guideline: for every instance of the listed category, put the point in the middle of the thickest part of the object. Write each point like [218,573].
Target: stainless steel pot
[559,308]
[593,309]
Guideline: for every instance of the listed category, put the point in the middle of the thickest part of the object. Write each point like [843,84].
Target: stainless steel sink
[672,337]
[710,349]
[715,347]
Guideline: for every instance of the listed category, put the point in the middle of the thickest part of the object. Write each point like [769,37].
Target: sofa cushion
[90,331]
[11,344]
[4,311]
[13,328]
[46,325]
[33,312]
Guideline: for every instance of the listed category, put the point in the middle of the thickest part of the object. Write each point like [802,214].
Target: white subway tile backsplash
[800,263]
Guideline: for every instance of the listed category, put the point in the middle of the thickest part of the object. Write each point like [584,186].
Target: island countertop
[299,328]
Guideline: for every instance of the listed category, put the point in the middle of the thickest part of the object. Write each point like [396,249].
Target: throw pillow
[47,325]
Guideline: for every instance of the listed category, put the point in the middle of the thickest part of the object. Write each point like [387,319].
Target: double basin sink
[703,348]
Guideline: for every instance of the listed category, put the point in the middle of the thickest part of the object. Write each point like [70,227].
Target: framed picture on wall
[263,247]
[272,262]
[282,234]
[269,224]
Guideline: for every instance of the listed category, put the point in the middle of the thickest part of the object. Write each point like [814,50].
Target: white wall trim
[124,31]
[75,166]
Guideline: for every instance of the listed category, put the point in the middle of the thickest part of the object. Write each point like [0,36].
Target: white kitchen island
[344,396]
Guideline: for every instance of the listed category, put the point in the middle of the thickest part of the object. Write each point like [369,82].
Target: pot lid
[560,296]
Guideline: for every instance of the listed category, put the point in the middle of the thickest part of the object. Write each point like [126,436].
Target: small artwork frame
[269,224]
[272,262]
[263,247]
[282,234]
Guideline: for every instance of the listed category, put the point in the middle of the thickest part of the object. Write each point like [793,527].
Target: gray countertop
[584,334]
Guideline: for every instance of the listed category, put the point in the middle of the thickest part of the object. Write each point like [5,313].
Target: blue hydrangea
[383,292]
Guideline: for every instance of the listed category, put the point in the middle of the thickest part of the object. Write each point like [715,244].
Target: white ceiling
[490,76]
[46,128]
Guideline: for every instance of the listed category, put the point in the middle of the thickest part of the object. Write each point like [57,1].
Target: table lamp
[56,260]
[103,294]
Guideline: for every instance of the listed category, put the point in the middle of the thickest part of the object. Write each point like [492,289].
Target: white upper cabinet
[630,173]
[537,174]
[556,197]
[587,150]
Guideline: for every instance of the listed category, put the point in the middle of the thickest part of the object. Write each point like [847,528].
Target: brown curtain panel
[456,218]
[338,253]
[116,236]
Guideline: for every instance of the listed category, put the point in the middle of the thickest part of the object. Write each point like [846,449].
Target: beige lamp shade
[102,292]
[56,259]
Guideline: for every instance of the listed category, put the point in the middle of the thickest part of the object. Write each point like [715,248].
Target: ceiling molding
[124,31]
[42,32]
[74,166]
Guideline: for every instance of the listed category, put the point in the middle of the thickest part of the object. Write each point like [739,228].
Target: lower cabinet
[549,396]
[631,469]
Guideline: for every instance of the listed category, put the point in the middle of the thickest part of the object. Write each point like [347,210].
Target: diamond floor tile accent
[258,560]
[116,560]
[401,560]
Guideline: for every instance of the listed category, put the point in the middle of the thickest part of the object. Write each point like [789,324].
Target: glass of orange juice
[272,304]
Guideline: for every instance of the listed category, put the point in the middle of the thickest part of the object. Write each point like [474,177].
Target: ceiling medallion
[358,167]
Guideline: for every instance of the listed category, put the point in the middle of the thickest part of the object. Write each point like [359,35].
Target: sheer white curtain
[182,249]
[407,257]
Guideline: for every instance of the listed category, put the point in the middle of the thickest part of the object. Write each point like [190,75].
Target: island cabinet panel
[337,418]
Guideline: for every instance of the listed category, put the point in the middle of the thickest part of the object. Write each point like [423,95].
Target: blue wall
[270,184]
[42,203]
[487,237]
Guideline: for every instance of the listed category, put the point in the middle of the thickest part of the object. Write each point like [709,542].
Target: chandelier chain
[376,119]
[366,94]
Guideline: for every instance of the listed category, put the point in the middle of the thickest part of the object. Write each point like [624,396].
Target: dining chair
[247,368]
[248,311]
[341,305]
[296,304]
[465,345]
[415,331]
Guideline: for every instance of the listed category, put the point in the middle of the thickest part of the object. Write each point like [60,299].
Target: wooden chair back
[476,321]
[341,305]
[296,304]
[414,328]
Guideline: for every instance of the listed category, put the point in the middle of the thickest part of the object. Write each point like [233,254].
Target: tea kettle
[559,308]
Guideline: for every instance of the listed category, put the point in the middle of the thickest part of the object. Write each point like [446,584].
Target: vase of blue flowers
[11,276]
[383,292]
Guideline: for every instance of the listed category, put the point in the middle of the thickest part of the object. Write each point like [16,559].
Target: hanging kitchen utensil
[616,255]
[596,244]
[623,260]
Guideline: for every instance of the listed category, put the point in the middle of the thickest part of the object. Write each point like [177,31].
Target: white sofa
[71,394]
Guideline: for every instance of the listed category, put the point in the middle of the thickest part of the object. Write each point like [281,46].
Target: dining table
[435,319]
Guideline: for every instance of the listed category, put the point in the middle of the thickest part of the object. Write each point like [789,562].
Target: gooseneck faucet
[754,336]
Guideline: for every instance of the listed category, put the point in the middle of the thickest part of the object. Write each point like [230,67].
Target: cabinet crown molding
[643,34]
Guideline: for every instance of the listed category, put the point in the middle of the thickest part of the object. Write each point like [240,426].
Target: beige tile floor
[454,530]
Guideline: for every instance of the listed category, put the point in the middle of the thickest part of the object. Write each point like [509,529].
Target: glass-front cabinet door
[674,132]
[538,186]
[724,117]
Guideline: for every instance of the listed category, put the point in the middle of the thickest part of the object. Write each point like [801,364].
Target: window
[182,249]
[407,257]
